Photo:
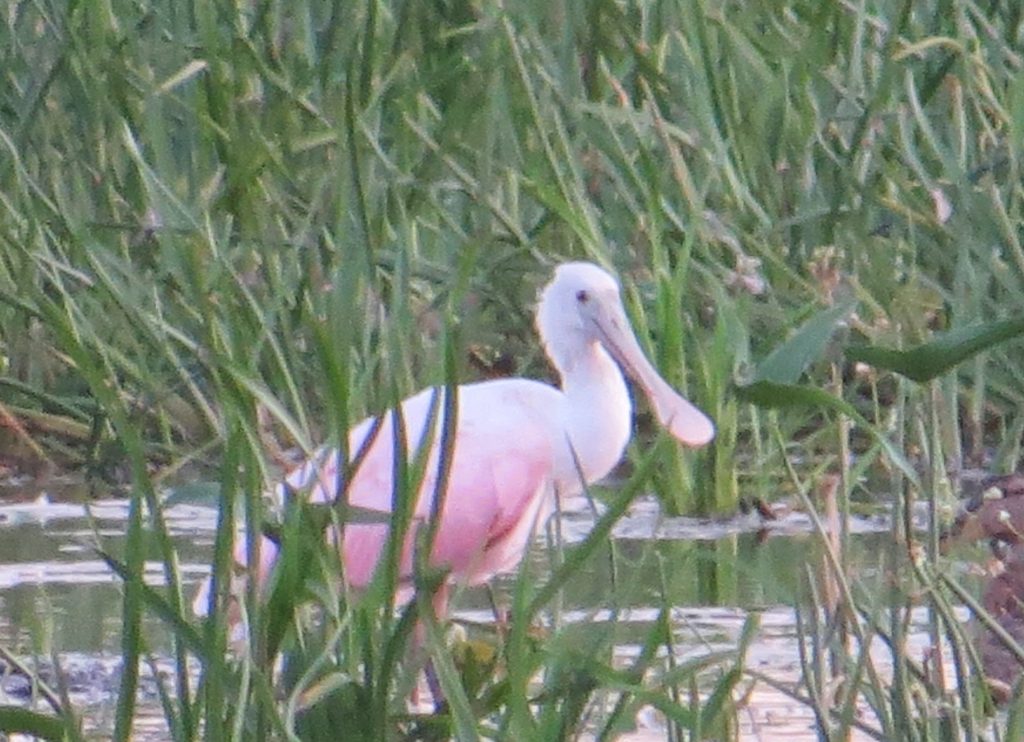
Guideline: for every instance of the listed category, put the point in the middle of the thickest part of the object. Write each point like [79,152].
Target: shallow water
[55,590]
[57,595]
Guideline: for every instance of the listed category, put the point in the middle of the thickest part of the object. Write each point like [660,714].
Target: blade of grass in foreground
[464,721]
[934,358]
[522,659]
[86,361]
[601,530]
[19,720]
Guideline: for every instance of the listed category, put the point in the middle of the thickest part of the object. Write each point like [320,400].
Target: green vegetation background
[267,195]
[210,209]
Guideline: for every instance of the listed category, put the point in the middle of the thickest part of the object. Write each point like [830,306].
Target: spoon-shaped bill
[677,415]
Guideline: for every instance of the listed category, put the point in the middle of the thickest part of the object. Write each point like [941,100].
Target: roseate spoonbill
[518,443]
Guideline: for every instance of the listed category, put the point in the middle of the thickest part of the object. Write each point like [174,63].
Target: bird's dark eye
[582,297]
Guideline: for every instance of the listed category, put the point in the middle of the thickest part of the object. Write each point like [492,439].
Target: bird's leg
[439,603]
[434,685]
[501,615]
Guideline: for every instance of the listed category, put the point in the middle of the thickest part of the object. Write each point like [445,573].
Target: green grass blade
[19,720]
[788,362]
[934,358]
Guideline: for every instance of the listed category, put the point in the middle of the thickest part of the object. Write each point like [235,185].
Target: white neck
[598,416]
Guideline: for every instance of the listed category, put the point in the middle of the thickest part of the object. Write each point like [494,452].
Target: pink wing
[499,485]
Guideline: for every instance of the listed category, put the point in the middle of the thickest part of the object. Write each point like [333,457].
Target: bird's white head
[581,306]
[565,305]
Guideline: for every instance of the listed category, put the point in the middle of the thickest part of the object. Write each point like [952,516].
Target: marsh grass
[226,226]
